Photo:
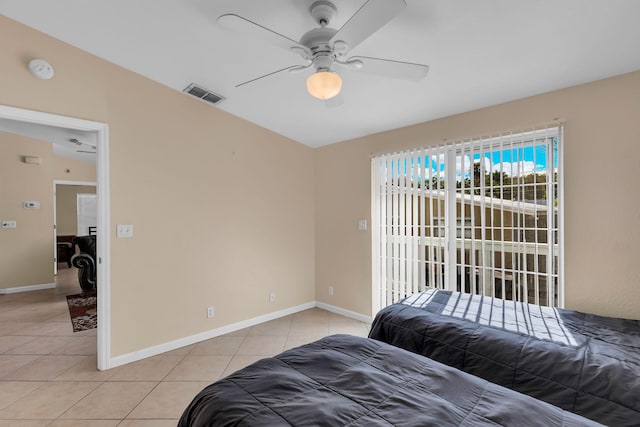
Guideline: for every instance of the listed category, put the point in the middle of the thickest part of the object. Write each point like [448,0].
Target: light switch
[362,224]
[32,204]
[124,230]
[8,224]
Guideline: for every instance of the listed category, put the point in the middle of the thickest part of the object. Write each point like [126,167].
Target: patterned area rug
[83,310]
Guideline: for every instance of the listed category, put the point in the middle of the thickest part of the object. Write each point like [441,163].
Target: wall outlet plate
[124,230]
[272,296]
[210,312]
[8,224]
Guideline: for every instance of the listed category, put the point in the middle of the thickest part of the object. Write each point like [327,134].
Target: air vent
[204,94]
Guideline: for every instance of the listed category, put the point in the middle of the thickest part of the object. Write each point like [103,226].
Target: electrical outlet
[330,291]
[272,296]
[124,230]
[209,312]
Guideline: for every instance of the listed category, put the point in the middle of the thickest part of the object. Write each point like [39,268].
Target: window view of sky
[521,160]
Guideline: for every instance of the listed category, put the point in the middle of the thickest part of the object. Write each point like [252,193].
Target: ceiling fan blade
[367,20]
[291,67]
[80,143]
[244,26]
[390,68]
[300,68]
[350,64]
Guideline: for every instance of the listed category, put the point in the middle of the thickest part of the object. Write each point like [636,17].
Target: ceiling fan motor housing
[317,40]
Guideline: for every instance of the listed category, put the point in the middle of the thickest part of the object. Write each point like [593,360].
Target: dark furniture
[64,249]
[583,363]
[85,261]
[345,380]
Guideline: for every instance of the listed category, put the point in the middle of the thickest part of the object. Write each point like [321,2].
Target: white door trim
[102,190]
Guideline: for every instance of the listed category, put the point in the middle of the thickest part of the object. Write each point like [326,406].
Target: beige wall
[26,252]
[602,217]
[189,178]
[67,207]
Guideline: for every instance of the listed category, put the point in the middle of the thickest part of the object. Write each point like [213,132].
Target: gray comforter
[583,363]
[344,380]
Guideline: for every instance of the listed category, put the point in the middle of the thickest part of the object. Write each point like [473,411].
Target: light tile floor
[48,374]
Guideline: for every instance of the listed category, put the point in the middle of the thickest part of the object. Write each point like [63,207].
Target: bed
[345,380]
[580,362]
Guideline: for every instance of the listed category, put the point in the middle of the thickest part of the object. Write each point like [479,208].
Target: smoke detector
[40,69]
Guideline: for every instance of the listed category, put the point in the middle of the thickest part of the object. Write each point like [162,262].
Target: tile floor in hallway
[48,374]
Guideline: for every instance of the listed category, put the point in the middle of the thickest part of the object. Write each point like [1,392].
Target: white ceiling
[481,53]
[83,149]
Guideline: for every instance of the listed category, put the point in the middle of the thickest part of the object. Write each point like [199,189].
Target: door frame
[102,193]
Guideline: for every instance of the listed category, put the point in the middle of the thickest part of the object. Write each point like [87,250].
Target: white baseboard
[346,313]
[28,288]
[193,339]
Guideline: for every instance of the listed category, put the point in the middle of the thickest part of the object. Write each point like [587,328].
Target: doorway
[71,201]
[103,220]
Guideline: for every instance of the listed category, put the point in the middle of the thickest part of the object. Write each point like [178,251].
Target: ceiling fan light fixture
[324,84]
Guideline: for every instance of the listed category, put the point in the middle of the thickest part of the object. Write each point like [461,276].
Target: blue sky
[521,160]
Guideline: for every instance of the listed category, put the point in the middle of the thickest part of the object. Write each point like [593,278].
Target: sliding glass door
[479,216]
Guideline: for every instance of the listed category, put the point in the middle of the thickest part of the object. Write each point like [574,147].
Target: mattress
[580,362]
[345,380]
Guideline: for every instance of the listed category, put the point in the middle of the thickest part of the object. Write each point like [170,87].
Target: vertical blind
[481,216]
[87,210]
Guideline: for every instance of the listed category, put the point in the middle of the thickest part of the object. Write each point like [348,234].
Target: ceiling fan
[80,144]
[324,48]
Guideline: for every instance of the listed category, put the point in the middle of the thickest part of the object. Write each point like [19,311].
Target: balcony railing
[503,269]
